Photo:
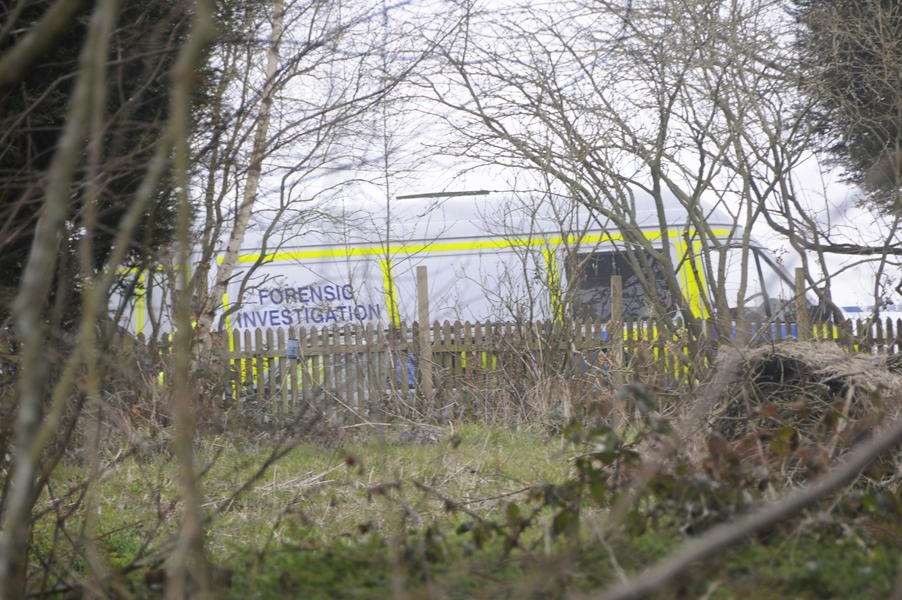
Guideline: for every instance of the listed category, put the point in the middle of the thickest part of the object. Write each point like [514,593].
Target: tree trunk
[205,329]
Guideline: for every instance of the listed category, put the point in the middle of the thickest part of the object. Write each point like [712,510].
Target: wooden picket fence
[374,372]
[370,373]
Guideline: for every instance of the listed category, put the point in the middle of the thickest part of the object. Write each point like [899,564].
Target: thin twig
[722,536]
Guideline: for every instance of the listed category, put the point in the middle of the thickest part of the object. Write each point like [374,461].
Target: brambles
[795,408]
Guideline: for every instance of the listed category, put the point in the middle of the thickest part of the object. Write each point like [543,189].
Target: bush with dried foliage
[794,408]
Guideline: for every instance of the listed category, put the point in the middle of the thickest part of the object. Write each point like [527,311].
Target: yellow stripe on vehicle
[231,342]
[228,319]
[692,276]
[391,292]
[554,284]
[440,247]
[140,304]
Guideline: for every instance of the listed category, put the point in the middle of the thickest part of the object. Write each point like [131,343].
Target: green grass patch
[348,522]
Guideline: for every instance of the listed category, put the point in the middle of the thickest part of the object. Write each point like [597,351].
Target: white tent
[490,256]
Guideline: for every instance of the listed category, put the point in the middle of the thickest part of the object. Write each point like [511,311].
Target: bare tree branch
[36,280]
[723,536]
[55,21]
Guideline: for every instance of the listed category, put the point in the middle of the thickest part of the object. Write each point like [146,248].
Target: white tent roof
[491,214]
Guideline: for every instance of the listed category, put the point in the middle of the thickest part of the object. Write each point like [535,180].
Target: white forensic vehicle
[486,260]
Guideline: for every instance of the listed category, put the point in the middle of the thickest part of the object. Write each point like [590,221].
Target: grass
[330,491]
[347,522]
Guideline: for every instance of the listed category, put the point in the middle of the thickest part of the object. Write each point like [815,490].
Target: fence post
[803,320]
[425,341]
[615,333]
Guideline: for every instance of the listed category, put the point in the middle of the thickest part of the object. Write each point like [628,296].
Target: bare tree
[294,132]
[48,403]
[36,281]
[689,104]
[609,112]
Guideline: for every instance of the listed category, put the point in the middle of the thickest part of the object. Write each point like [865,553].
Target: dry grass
[315,493]
[359,497]
[337,519]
